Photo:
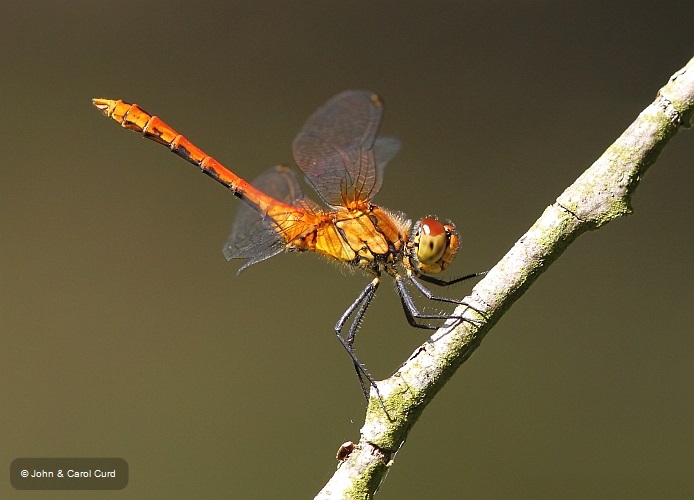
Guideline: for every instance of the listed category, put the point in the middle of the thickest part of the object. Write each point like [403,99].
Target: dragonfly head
[434,245]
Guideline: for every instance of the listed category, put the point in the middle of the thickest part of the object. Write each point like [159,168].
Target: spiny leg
[360,305]
[356,322]
[439,282]
[413,313]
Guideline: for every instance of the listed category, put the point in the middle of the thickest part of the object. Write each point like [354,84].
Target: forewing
[335,148]
[253,236]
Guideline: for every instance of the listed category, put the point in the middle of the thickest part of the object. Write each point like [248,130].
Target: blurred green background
[126,334]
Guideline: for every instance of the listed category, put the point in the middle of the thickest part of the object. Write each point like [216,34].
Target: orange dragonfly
[343,159]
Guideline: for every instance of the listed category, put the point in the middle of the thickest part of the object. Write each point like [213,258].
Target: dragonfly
[342,157]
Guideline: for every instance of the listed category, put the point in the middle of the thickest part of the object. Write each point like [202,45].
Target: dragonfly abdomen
[133,117]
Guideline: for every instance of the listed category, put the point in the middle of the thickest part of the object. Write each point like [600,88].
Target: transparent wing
[253,237]
[385,149]
[337,148]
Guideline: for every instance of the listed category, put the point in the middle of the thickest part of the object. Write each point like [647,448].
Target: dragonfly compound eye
[432,241]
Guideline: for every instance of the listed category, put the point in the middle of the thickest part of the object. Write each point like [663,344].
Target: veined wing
[255,237]
[338,151]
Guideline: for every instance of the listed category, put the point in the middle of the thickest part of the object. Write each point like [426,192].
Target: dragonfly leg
[411,311]
[360,305]
[440,282]
[429,295]
[415,317]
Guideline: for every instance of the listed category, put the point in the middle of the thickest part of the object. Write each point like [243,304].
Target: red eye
[432,227]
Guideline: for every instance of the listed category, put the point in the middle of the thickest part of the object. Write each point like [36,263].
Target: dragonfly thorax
[433,246]
[371,238]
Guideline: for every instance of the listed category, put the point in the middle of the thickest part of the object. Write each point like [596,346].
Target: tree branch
[602,193]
